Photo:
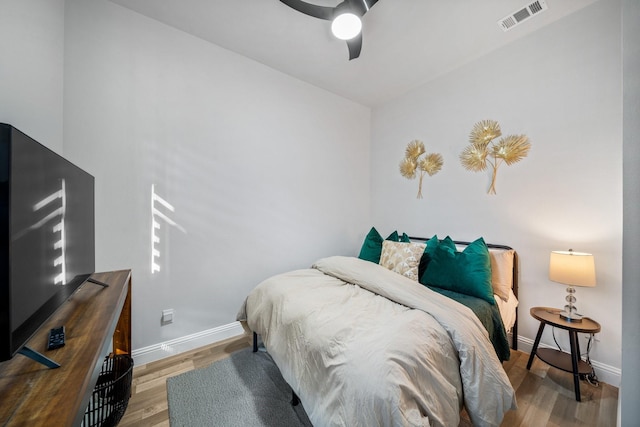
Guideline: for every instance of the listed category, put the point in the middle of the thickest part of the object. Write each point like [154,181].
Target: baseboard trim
[606,373]
[165,349]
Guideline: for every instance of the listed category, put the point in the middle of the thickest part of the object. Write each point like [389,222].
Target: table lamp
[573,269]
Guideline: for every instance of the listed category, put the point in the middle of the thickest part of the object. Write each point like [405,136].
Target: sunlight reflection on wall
[158,205]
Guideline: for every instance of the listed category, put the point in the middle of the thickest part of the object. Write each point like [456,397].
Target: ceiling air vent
[519,16]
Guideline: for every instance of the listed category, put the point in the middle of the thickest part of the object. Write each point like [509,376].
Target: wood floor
[545,395]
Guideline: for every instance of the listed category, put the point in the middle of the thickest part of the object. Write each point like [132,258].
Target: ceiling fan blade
[370,3]
[360,7]
[322,12]
[355,46]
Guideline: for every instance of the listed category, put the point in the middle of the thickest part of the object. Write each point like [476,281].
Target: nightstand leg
[575,356]
[535,344]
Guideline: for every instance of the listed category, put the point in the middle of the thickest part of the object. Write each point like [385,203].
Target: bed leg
[255,342]
[294,398]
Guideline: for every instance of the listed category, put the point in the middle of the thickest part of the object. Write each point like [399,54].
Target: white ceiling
[406,42]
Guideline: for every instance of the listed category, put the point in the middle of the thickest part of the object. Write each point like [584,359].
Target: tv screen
[48,243]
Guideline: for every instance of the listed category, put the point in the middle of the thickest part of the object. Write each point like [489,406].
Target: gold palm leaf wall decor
[412,164]
[483,150]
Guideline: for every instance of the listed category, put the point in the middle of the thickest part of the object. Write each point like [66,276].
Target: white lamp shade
[572,268]
[346,26]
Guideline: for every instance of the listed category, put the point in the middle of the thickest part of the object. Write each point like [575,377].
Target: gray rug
[245,389]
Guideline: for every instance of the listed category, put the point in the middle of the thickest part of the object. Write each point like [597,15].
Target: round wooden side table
[558,359]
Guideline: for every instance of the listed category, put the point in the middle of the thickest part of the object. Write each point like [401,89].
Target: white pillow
[502,271]
[402,257]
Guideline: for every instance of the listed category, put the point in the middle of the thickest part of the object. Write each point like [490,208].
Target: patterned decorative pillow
[402,257]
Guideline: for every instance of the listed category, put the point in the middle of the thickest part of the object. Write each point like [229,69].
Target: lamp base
[570,317]
[570,311]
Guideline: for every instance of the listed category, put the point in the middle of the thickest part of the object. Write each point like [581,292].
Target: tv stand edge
[97,322]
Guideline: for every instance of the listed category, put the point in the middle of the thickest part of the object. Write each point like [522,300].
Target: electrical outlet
[167,316]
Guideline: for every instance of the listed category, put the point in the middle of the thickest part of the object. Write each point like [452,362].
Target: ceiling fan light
[346,26]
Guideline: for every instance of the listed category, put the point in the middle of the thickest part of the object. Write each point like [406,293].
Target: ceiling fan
[345,19]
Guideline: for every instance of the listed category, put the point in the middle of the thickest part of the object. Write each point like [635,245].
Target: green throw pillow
[432,244]
[467,272]
[372,245]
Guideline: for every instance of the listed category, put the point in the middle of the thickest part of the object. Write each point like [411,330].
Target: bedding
[490,317]
[508,311]
[364,346]
[473,275]
[502,273]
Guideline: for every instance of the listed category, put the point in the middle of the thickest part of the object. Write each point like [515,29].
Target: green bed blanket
[489,316]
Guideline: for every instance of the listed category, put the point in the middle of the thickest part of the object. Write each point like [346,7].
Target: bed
[363,343]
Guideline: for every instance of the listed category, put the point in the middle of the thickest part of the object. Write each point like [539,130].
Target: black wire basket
[111,394]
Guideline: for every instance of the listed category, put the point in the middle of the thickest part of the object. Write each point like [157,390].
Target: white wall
[31,68]
[265,173]
[630,387]
[561,86]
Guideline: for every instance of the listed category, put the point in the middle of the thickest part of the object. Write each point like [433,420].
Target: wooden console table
[94,317]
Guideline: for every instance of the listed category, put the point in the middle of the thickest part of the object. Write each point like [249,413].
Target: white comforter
[364,346]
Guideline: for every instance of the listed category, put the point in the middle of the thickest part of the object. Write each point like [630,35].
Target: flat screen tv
[47,231]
